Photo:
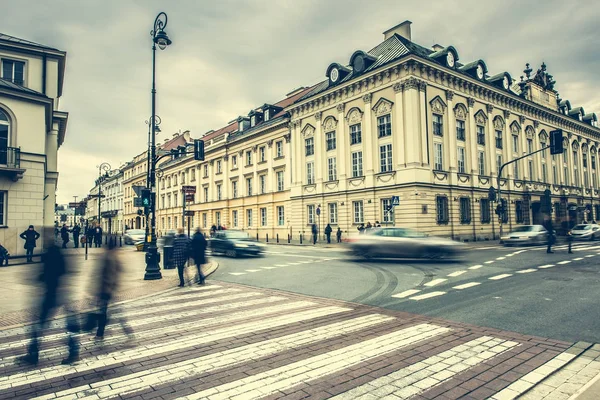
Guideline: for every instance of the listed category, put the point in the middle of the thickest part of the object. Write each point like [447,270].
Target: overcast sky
[228,57]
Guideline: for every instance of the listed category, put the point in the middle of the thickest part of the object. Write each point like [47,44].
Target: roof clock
[505,82]
[336,73]
[448,56]
[450,59]
[476,69]
[480,71]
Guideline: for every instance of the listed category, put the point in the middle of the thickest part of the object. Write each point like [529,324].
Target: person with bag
[30,236]
[181,253]
[199,253]
[328,231]
[64,235]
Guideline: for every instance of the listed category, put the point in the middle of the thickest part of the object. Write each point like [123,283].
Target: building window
[205,172]
[498,139]
[206,194]
[357,206]
[480,135]
[280,216]
[218,218]
[481,163]
[465,210]
[441,209]
[332,208]
[175,180]
[4,135]
[169,223]
[438,156]
[233,162]
[566,172]
[355,134]
[584,159]
[555,175]
[460,129]
[594,181]
[234,218]
[438,125]
[204,221]
[385,154]
[176,222]
[219,167]
[387,216]
[330,139]
[279,149]
[249,217]
[357,167]
[519,215]
[169,200]
[593,162]
[13,71]
[310,173]
[310,146]
[248,157]
[3,196]
[280,184]
[262,154]
[331,169]
[461,160]
[384,125]
[484,208]
[530,168]
[515,144]
[249,186]
[262,181]
[175,199]
[263,217]
[234,189]
[544,173]
[310,212]
[586,180]
[219,193]
[516,170]
[530,145]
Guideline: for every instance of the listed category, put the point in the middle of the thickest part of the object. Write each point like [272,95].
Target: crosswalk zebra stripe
[324,364]
[173,296]
[116,357]
[426,374]
[186,369]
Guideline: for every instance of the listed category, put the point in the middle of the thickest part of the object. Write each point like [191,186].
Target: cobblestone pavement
[224,340]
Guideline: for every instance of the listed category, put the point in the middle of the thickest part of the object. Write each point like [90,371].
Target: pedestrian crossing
[227,341]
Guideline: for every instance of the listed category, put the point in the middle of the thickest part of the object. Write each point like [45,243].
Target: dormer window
[13,71]
[243,124]
[255,118]
[477,69]
[267,114]
[447,56]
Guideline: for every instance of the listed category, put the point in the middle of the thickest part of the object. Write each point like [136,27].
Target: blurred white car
[404,243]
[133,236]
[526,234]
[586,232]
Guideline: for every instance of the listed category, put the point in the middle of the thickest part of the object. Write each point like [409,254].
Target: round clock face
[480,71]
[334,75]
[450,59]
[505,82]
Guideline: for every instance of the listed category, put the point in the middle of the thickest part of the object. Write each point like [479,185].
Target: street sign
[189,213]
[137,202]
[188,189]
[73,205]
[138,190]
[395,201]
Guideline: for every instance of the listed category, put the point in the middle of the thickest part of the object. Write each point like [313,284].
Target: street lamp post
[102,167]
[160,38]
[148,122]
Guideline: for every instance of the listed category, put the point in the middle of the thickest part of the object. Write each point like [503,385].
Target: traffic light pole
[502,210]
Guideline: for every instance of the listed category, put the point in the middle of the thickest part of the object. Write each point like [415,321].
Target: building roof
[12,39]
[6,84]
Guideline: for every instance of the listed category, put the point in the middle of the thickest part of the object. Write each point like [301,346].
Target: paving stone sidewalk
[223,341]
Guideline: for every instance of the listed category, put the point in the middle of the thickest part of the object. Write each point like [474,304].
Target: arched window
[4,137]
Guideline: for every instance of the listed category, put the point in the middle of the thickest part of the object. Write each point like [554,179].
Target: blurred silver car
[586,232]
[526,234]
[404,243]
[133,236]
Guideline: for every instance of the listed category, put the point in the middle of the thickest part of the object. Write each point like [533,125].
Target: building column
[343,142]
[490,145]
[450,139]
[422,106]
[319,154]
[398,133]
[412,121]
[471,155]
[370,147]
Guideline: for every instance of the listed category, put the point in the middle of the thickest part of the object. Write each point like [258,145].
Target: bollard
[300,238]
[267,238]
[289,238]
[278,238]
[257,236]
[120,241]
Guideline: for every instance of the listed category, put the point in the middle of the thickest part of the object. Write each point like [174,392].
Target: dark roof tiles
[6,84]
[9,38]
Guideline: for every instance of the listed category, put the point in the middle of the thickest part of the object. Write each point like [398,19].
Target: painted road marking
[406,293]
[564,262]
[500,258]
[427,296]
[590,255]
[526,271]
[281,265]
[488,262]
[546,266]
[475,267]
[501,276]
[466,285]
[253,270]
[457,273]
[268,267]
[435,282]
[578,259]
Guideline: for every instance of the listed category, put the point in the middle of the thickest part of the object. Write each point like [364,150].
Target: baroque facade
[32,129]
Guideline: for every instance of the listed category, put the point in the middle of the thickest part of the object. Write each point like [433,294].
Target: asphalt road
[520,289]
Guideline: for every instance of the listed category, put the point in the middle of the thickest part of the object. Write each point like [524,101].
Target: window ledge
[279,158]
[262,162]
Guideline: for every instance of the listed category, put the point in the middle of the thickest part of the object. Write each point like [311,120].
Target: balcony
[10,163]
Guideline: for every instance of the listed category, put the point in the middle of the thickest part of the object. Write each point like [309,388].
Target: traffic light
[492,194]
[546,202]
[198,150]
[556,141]
[146,198]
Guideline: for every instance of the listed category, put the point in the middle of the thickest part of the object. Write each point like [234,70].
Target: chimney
[437,47]
[402,29]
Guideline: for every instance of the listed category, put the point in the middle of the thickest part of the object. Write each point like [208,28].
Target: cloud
[228,57]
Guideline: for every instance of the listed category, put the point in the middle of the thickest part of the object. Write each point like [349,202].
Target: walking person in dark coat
[551,237]
[76,231]
[30,236]
[181,253]
[199,253]
[64,235]
[339,235]
[314,233]
[98,236]
[328,231]
[89,235]
[54,273]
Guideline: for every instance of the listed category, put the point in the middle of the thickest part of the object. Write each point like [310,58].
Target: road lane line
[526,271]
[237,273]
[253,270]
[578,259]
[456,273]
[546,266]
[564,262]
[427,296]
[500,258]
[406,293]
[501,276]
[489,262]
[590,255]
[435,282]
[466,285]
[281,265]
[475,267]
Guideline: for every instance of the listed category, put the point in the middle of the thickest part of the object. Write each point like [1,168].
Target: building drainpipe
[44,73]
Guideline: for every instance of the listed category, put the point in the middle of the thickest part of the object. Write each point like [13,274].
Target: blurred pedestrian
[4,255]
[76,231]
[570,241]
[199,253]
[98,236]
[328,231]
[89,235]
[64,235]
[181,253]
[314,231]
[54,273]
[30,236]
[551,237]
[339,235]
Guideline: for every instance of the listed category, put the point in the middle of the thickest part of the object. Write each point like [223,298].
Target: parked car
[133,236]
[526,234]
[586,232]
[404,243]
[234,243]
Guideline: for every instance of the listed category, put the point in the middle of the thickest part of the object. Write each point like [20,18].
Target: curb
[209,272]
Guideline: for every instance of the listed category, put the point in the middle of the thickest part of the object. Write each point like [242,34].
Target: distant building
[31,131]
[65,215]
